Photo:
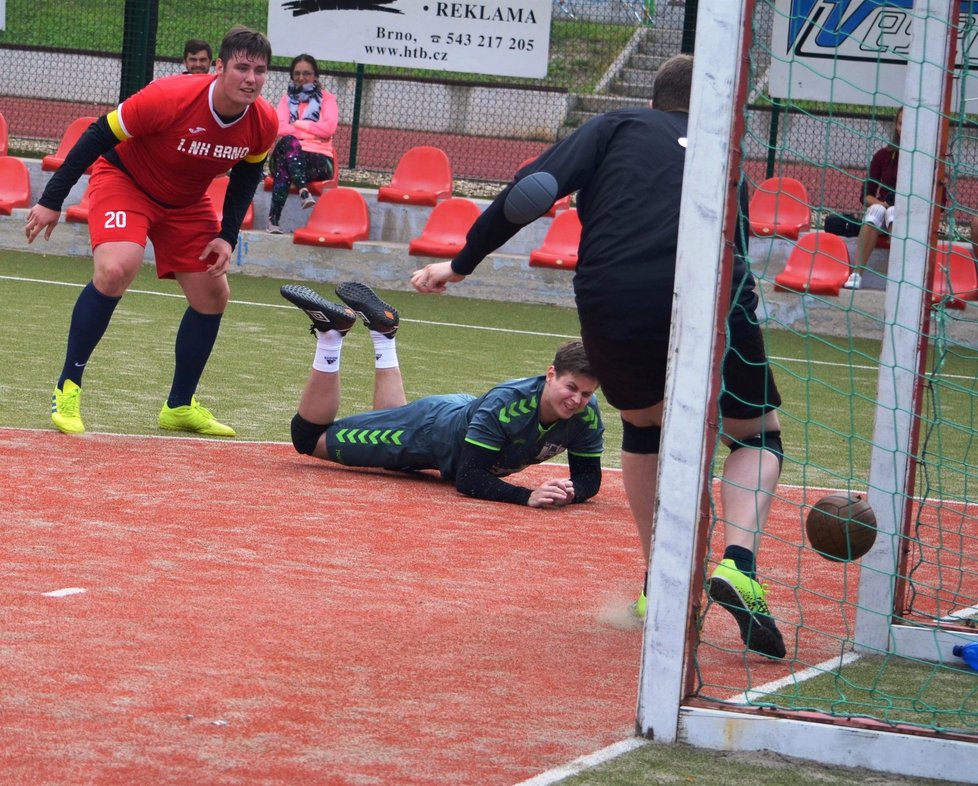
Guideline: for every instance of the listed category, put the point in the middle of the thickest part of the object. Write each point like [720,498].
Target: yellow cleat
[744,598]
[639,606]
[193,417]
[66,408]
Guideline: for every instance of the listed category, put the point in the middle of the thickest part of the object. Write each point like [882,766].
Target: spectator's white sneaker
[855,281]
[307,199]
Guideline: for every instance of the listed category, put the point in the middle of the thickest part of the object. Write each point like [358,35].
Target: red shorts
[119,211]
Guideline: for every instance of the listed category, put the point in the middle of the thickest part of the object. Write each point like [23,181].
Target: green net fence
[824,89]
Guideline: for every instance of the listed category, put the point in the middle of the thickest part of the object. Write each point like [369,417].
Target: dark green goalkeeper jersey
[432,432]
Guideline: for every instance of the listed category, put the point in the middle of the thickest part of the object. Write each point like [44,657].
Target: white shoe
[308,200]
[273,229]
[855,281]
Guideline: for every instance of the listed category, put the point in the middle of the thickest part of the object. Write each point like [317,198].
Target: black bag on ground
[843,224]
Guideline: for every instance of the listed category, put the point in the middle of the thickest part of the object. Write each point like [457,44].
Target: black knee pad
[640,439]
[305,435]
[766,440]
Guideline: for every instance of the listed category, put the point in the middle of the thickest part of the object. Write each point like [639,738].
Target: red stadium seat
[4,136]
[339,219]
[818,264]
[563,203]
[559,247]
[216,191]
[78,213]
[423,176]
[15,184]
[316,187]
[780,207]
[75,129]
[954,277]
[445,230]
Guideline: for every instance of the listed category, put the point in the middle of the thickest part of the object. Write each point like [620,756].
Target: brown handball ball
[841,527]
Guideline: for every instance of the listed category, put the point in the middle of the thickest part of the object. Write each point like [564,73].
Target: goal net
[878,384]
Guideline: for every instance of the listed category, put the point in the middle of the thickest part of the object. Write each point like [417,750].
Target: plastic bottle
[968,652]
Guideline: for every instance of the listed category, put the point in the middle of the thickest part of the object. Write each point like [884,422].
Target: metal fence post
[138,45]
[355,122]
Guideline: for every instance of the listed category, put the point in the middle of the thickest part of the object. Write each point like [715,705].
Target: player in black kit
[627,169]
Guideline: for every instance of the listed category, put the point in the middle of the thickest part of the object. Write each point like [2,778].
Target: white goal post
[723,41]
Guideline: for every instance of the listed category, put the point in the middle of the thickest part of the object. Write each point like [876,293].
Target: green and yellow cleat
[66,408]
[639,607]
[193,417]
[743,597]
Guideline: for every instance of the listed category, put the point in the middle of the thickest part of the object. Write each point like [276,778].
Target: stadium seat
[818,264]
[954,278]
[780,207]
[78,213]
[15,184]
[316,187]
[563,203]
[75,129]
[445,230]
[423,176]
[559,247]
[216,191]
[339,219]
[4,136]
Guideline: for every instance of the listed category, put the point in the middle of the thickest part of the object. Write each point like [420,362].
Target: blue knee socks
[195,340]
[89,320]
[742,558]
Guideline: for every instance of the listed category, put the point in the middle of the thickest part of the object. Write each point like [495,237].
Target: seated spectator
[307,117]
[878,195]
[197,56]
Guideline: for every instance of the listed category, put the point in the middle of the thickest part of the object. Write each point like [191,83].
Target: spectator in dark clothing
[878,195]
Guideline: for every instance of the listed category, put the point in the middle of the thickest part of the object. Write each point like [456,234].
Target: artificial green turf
[682,764]
[897,690]
[446,344]
[263,353]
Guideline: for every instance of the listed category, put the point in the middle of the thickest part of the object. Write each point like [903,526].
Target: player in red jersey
[154,157]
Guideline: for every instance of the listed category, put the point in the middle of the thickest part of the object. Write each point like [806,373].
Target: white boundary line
[960,614]
[582,763]
[807,362]
[617,749]
[180,296]
[751,695]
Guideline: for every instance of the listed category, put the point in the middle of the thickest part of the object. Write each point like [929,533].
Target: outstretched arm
[488,233]
[569,164]
[44,216]
[585,474]
[474,479]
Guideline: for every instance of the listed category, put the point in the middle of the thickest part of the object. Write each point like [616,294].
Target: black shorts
[633,373]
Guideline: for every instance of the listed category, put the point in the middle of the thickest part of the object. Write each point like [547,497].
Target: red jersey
[174,143]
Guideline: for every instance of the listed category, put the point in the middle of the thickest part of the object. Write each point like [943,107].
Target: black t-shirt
[627,167]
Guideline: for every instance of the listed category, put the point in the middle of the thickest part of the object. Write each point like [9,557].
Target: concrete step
[594,104]
[646,62]
[588,106]
[637,90]
[636,76]
[659,38]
